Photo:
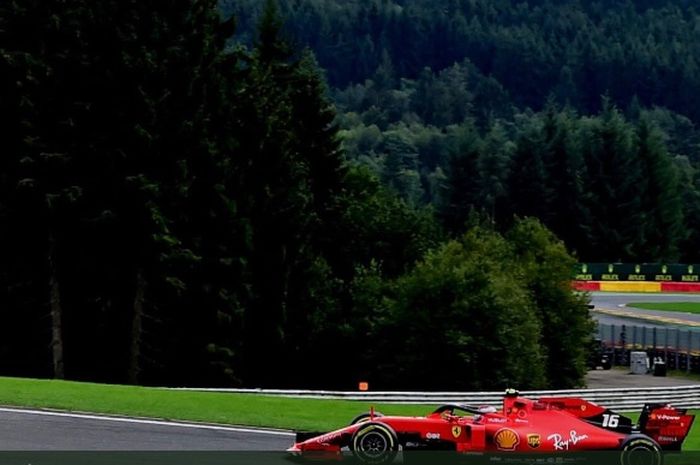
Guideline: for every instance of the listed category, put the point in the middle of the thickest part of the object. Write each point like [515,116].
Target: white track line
[147,422]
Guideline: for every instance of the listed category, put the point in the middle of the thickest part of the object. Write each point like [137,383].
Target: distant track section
[617,399]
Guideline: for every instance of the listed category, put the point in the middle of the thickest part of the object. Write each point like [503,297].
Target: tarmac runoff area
[622,378]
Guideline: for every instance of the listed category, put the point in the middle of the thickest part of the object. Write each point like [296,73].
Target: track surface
[611,300]
[38,431]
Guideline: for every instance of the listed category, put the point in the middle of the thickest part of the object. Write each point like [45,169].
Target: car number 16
[611,421]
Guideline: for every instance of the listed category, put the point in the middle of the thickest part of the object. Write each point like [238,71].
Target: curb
[642,316]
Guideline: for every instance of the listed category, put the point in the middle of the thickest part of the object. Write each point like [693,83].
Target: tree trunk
[137,328]
[56,312]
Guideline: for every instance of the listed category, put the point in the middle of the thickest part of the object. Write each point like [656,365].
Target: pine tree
[113,131]
[661,199]
[276,199]
[615,181]
[39,160]
[567,212]
[295,173]
[689,182]
[493,171]
[400,169]
[316,143]
[462,196]
[528,187]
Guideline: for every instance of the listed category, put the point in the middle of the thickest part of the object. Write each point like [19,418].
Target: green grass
[693,440]
[686,307]
[238,409]
[684,374]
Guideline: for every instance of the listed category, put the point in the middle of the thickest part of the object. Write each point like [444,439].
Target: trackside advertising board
[641,272]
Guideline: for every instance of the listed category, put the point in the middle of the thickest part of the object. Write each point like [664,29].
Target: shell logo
[506,439]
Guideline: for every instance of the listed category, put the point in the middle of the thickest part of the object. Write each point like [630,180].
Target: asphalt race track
[614,300]
[47,431]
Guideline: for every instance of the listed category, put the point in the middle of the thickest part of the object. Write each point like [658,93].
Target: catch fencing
[616,399]
[679,348]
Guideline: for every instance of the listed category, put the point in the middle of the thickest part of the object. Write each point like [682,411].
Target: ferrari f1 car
[545,425]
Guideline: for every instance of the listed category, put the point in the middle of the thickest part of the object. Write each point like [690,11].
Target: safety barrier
[616,399]
[635,286]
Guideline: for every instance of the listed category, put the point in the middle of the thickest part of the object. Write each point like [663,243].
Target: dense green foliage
[518,52]
[178,210]
[495,108]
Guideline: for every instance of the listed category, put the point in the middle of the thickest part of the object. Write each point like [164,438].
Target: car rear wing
[665,424]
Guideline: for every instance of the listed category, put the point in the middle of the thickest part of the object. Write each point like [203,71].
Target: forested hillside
[185,199]
[573,50]
[583,114]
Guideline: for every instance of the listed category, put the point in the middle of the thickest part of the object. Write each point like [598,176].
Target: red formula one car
[547,425]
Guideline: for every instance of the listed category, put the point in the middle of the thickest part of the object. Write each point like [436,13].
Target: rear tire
[375,444]
[639,449]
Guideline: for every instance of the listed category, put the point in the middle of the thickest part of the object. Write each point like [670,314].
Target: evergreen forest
[312,193]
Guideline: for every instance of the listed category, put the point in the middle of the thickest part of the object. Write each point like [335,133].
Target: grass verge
[686,307]
[237,409]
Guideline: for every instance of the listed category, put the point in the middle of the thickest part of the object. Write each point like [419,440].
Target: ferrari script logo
[456,431]
[506,439]
[534,440]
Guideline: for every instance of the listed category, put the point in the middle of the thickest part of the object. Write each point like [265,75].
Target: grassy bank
[238,409]
[252,410]
[686,307]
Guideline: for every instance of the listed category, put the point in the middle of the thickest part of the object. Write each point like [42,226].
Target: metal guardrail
[616,399]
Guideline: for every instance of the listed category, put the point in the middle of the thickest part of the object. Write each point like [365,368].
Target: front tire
[375,444]
[639,449]
[363,417]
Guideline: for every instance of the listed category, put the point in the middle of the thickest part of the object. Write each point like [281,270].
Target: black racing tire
[639,449]
[374,443]
[363,417]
